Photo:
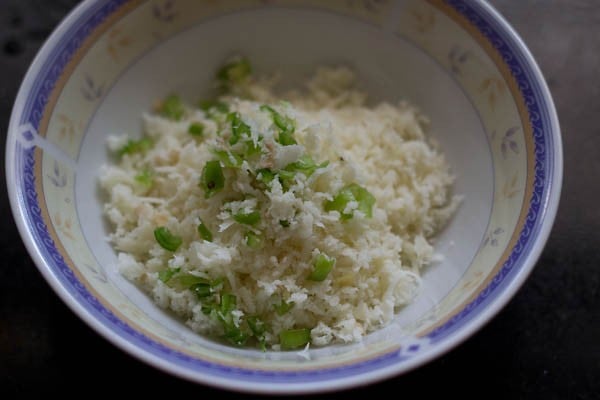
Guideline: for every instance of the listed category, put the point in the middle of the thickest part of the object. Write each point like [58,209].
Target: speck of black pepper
[12,47]
[211,185]
[341,158]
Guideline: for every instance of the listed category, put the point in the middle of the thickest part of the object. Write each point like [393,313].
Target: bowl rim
[548,207]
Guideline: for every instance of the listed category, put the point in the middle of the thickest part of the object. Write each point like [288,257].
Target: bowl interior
[122,58]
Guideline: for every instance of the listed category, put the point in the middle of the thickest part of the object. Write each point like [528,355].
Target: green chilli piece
[172,108]
[234,334]
[283,307]
[284,222]
[166,239]
[285,125]
[204,288]
[305,165]
[231,332]
[321,268]
[214,105]
[265,175]
[234,72]
[294,338]
[166,274]
[212,179]
[349,193]
[252,149]
[258,329]
[196,129]
[186,281]
[135,146]
[228,303]
[238,128]
[217,284]
[204,232]
[228,158]
[286,178]
[145,178]
[215,110]
[251,218]
[253,240]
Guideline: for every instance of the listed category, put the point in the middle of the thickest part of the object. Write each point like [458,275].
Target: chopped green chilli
[234,72]
[228,159]
[284,222]
[212,179]
[204,232]
[136,146]
[351,193]
[294,338]
[186,281]
[228,303]
[172,108]
[286,178]
[166,274]
[258,329]
[265,175]
[215,110]
[285,125]
[250,218]
[305,165]
[196,129]
[283,307]
[214,105]
[202,289]
[239,129]
[253,240]
[166,239]
[321,268]
[145,178]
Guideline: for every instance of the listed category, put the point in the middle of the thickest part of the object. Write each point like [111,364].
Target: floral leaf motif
[508,142]
[371,6]
[492,237]
[457,57]
[90,90]
[495,89]
[99,273]
[512,131]
[116,42]
[64,226]
[164,11]
[509,189]
[58,178]
[68,128]
[424,19]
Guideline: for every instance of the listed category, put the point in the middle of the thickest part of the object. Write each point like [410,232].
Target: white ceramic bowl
[458,60]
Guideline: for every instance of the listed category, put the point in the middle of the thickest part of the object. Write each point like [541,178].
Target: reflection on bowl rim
[490,30]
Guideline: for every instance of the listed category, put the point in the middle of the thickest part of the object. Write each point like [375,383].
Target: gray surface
[544,345]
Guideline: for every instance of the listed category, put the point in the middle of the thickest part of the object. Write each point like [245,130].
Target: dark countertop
[544,345]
